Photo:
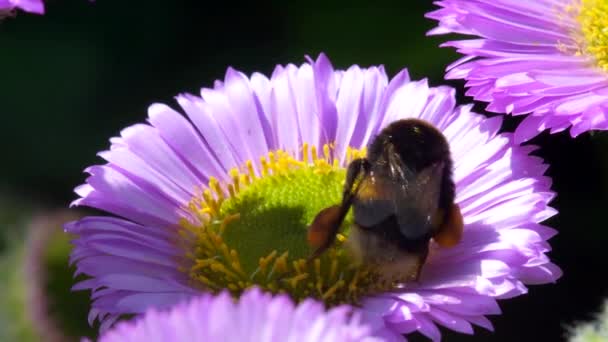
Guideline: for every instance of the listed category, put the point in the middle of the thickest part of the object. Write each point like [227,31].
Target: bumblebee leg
[323,227]
[450,232]
[421,260]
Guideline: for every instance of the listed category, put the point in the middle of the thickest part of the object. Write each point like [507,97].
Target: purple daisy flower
[544,57]
[221,199]
[32,6]
[257,316]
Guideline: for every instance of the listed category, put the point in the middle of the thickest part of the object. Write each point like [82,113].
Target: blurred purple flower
[32,6]
[257,316]
[43,230]
[28,309]
[547,58]
[154,169]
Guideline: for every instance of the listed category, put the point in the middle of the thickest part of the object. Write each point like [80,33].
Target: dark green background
[71,79]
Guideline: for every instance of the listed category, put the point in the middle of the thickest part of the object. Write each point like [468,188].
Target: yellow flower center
[252,231]
[593,19]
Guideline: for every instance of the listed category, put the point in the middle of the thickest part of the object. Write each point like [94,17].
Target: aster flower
[257,316]
[221,199]
[32,6]
[547,58]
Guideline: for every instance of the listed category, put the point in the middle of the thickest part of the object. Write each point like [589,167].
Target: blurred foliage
[15,324]
[13,321]
[73,78]
[36,302]
[12,215]
[594,331]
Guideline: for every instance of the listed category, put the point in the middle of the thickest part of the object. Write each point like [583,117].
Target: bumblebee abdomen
[392,263]
[390,231]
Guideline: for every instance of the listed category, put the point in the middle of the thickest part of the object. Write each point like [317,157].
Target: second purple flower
[546,58]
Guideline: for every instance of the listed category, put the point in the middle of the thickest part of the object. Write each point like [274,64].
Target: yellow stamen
[210,203]
[231,191]
[272,162]
[332,290]
[265,166]
[250,170]
[227,221]
[236,177]
[305,152]
[293,281]
[214,184]
[593,20]
[326,152]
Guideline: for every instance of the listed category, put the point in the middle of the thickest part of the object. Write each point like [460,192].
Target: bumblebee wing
[418,206]
[392,188]
[381,189]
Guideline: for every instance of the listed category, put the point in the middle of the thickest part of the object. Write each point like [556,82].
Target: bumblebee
[402,196]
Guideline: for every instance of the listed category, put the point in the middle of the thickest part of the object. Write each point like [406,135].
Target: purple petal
[260,318]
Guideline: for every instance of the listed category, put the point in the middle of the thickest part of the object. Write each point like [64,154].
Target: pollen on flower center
[593,19]
[252,231]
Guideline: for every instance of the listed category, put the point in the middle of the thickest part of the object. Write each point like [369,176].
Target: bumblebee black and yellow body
[402,195]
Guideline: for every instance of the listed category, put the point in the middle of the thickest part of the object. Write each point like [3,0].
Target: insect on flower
[402,195]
